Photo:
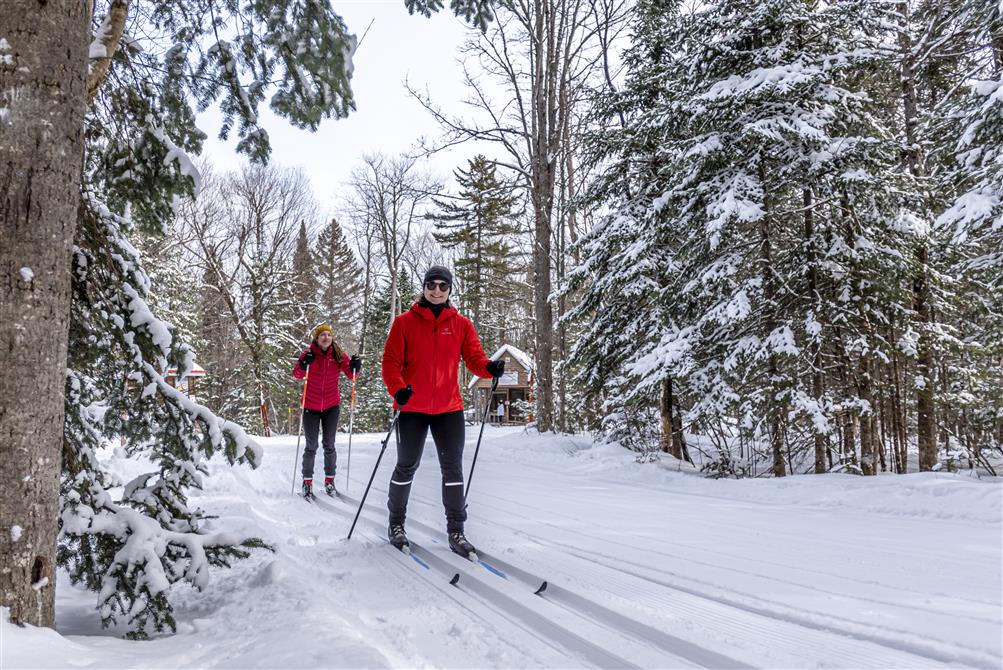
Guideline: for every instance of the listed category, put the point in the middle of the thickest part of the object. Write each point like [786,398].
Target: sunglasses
[440,285]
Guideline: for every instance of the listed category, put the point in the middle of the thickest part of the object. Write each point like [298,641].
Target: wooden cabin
[514,386]
[196,373]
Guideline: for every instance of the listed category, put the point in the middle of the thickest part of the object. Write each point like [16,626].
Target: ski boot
[398,538]
[308,490]
[329,487]
[460,545]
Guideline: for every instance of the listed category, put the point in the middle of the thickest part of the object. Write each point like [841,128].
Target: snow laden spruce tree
[974,224]
[130,547]
[744,221]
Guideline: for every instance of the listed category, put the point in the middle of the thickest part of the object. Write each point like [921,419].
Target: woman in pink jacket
[325,361]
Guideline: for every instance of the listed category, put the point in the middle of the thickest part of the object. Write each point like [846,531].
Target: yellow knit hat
[320,329]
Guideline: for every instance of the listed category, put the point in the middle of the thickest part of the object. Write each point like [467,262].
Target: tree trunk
[544,322]
[775,409]
[926,422]
[898,417]
[868,462]
[678,437]
[262,388]
[998,42]
[671,440]
[562,329]
[666,442]
[815,348]
[43,89]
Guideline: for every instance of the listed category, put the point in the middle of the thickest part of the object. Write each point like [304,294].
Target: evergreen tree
[304,287]
[139,133]
[480,223]
[341,284]
[738,114]
[131,549]
[974,223]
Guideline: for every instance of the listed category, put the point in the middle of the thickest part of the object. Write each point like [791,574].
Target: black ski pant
[447,432]
[314,421]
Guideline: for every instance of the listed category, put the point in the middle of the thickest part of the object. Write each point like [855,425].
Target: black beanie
[440,273]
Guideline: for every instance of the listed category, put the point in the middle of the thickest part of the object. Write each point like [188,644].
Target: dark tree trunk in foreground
[43,89]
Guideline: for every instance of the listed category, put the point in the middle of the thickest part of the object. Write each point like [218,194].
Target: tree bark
[43,92]
[117,14]
[815,347]
[666,442]
[544,141]
[672,440]
[898,416]
[868,461]
[926,423]
[776,411]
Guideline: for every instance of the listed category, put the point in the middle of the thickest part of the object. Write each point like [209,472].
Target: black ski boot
[397,538]
[308,489]
[459,544]
[329,486]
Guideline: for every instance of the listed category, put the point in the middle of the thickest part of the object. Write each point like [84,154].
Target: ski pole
[386,440]
[487,406]
[351,417]
[306,380]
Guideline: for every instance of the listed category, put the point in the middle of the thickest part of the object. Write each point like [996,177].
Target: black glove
[306,359]
[496,368]
[403,395]
[355,364]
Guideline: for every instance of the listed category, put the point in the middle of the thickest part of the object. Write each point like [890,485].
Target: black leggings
[447,432]
[313,420]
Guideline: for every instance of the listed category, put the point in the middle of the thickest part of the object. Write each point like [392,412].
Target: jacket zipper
[435,358]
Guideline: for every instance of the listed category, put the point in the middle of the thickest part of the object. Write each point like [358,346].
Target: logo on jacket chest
[446,330]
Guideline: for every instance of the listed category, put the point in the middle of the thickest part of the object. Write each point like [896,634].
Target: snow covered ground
[647,567]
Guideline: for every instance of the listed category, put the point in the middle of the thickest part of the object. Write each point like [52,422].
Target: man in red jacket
[421,361]
[322,402]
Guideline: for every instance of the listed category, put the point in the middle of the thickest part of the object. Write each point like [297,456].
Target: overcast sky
[386,119]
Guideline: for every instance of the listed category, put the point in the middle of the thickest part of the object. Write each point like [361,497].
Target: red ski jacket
[425,352]
[322,389]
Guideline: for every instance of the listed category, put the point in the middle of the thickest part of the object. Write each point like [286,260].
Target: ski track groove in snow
[775,532]
[993,607]
[517,613]
[435,579]
[921,652]
[814,587]
[615,622]
[468,628]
